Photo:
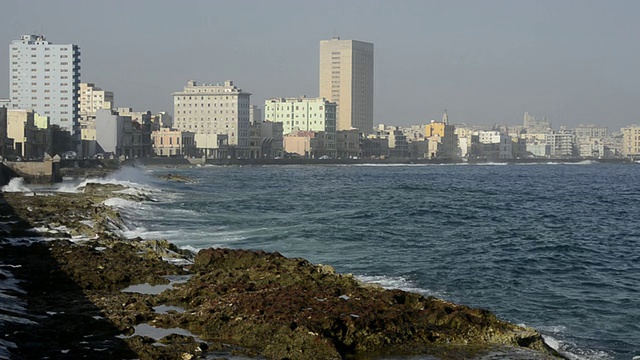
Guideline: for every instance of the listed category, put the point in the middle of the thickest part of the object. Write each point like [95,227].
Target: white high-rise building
[45,77]
[346,78]
[213,110]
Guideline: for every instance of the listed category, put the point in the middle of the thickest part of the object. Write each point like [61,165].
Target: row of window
[208,105]
[209,97]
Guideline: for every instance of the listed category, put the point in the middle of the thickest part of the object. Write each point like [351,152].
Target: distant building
[396,141]
[534,124]
[494,145]
[214,110]
[346,78]
[348,144]
[590,141]
[122,136]
[539,150]
[414,132]
[562,143]
[32,136]
[307,144]
[443,142]
[631,141]
[139,116]
[169,142]
[214,146]
[92,99]
[255,114]
[3,132]
[45,77]
[305,114]
[591,132]
[17,122]
[271,134]
[5,103]
[374,147]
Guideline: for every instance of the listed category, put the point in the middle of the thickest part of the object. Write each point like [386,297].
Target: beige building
[17,121]
[631,141]
[346,78]
[169,142]
[303,114]
[92,99]
[214,109]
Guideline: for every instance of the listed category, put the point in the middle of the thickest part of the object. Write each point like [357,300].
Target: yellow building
[444,134]
[631,141]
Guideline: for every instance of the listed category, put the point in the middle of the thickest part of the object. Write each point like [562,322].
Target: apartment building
[305,114]
[45,77]
[210,109]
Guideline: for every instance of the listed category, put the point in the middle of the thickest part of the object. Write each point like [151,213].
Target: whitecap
[396,282]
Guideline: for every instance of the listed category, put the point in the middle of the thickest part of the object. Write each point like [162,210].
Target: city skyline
[485,63]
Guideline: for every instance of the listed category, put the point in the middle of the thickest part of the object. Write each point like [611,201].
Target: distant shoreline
[259,162]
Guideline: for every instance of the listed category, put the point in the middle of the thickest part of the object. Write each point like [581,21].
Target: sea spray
[16,185]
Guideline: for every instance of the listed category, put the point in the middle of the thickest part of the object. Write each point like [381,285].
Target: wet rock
[176,178]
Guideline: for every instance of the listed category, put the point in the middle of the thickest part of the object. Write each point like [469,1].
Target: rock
[176,178]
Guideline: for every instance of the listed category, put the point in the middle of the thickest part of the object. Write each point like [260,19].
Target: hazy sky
[484,61]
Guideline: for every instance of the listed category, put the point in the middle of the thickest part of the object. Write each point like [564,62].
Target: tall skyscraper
[46,78]
[346,78]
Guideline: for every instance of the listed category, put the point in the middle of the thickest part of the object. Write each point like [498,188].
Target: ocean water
[552,246]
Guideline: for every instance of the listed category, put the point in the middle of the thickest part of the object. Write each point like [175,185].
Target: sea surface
[551,246]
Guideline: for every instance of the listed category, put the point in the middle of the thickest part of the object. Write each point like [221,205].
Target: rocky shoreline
[88,292]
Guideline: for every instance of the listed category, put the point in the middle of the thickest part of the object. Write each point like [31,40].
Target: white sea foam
[491,163]
[16,185]
[67,187]
[396,282]
[572,352]
[122,203]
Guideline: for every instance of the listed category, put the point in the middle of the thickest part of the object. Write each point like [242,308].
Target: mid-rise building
[169,142]
[214,109]
[121,136]
[396,141]
[272,146]
[348,143]
[562,143]
[494,145]
[255,114]
[591,131]
[631,141]
[305,114]
[45,77]
[346,78]
[92,99]
[443,141]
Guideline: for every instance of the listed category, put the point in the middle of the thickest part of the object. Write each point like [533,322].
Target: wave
[396,282]
[572,352]
[16,185]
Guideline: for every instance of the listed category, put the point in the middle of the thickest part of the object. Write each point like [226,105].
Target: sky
[485,62]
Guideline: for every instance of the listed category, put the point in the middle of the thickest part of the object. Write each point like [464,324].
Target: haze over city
[485,62]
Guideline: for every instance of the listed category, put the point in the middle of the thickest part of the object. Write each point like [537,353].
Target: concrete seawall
[34,172]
